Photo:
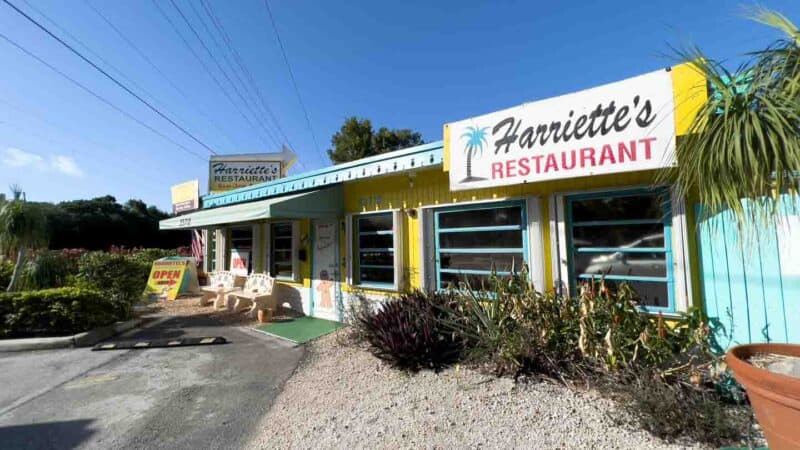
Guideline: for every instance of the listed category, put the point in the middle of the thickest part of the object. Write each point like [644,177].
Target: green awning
[322,203]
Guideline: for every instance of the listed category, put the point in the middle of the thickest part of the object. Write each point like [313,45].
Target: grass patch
[301,329]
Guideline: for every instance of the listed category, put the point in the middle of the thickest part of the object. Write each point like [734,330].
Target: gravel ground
[190,306]
[343,397]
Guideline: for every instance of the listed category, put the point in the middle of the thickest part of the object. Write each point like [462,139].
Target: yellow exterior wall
[431,188]
[690,92]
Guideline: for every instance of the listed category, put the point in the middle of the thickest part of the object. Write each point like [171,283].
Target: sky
[413,64]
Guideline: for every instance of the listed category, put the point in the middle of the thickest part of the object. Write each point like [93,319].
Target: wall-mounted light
[411,213]
[411,176]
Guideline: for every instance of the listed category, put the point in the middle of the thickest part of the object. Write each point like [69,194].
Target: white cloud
[65,165]
[15,157]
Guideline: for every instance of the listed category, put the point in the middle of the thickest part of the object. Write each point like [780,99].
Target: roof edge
[398,161]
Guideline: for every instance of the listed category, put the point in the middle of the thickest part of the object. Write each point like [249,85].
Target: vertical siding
[751,287]
[431,188]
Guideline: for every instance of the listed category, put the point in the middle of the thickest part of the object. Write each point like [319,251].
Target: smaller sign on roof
[228,172]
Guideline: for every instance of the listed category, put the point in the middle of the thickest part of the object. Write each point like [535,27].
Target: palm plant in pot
[742,154]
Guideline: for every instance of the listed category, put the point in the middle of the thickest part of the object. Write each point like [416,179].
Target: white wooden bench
[219,284]
[257,292]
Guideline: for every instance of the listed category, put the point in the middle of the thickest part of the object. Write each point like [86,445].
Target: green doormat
[301,329]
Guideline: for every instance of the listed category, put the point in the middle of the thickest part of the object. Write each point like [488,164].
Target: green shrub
[146,256]
[55,312]
[614,333]
[514,328]
[517,329]
[6,269]
[120,278]
[47,269]
[357,313]
[405,331]
[674,409]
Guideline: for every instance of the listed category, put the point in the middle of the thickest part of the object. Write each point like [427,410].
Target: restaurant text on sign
[619,127]
[227,175]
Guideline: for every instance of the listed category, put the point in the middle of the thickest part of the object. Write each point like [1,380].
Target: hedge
[55,312]
[120,277]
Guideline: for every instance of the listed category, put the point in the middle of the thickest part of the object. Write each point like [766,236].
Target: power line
[208,71]
[294,82]
[219,66]
[87,48]
[159,71]
[97,96]
[243,68]
[146,174]
[99,69]
[248,97]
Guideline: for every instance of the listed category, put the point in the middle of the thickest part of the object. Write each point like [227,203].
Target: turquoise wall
[751,292]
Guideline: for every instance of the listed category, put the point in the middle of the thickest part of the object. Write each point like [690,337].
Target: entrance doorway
[326,302]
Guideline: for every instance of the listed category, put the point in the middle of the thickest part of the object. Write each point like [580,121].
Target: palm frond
[744,142]
[775,20]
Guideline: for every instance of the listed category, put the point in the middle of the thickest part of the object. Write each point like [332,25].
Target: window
[212,250]
[281,251]
[242,245]
[473,241]
[375,250]
[625,237]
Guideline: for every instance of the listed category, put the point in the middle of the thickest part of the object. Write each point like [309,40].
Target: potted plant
[744,143]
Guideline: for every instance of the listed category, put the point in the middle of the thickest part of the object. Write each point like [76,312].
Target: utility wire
[243,67]
[247,96]
[209,72]
[99,69]
[97,96]
[294,82]
[216,62]
[150,62]
[88,49]
[64,144]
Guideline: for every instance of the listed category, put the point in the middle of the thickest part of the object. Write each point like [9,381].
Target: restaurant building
[565,186]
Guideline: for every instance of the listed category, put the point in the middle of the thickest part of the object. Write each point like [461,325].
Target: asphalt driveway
[185,397]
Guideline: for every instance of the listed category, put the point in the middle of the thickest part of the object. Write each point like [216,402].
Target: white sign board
[619,127]
[227,175]
[240,260]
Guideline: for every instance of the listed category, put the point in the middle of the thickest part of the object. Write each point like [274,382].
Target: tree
[744,142]
[476,139]
[102,222]
[356,139]
[22,227]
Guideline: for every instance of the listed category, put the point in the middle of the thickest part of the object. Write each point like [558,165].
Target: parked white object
[257,292]
[219,284]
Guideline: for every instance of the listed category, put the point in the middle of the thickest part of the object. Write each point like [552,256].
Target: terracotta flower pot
[264,315]
[775,397]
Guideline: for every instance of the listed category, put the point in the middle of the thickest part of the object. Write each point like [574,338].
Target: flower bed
[661,372]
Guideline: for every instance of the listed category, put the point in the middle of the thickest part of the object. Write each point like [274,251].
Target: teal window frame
[665,220]
[357,233]
[437,230]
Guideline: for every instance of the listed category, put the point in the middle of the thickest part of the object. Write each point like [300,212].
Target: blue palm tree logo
[476,139]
